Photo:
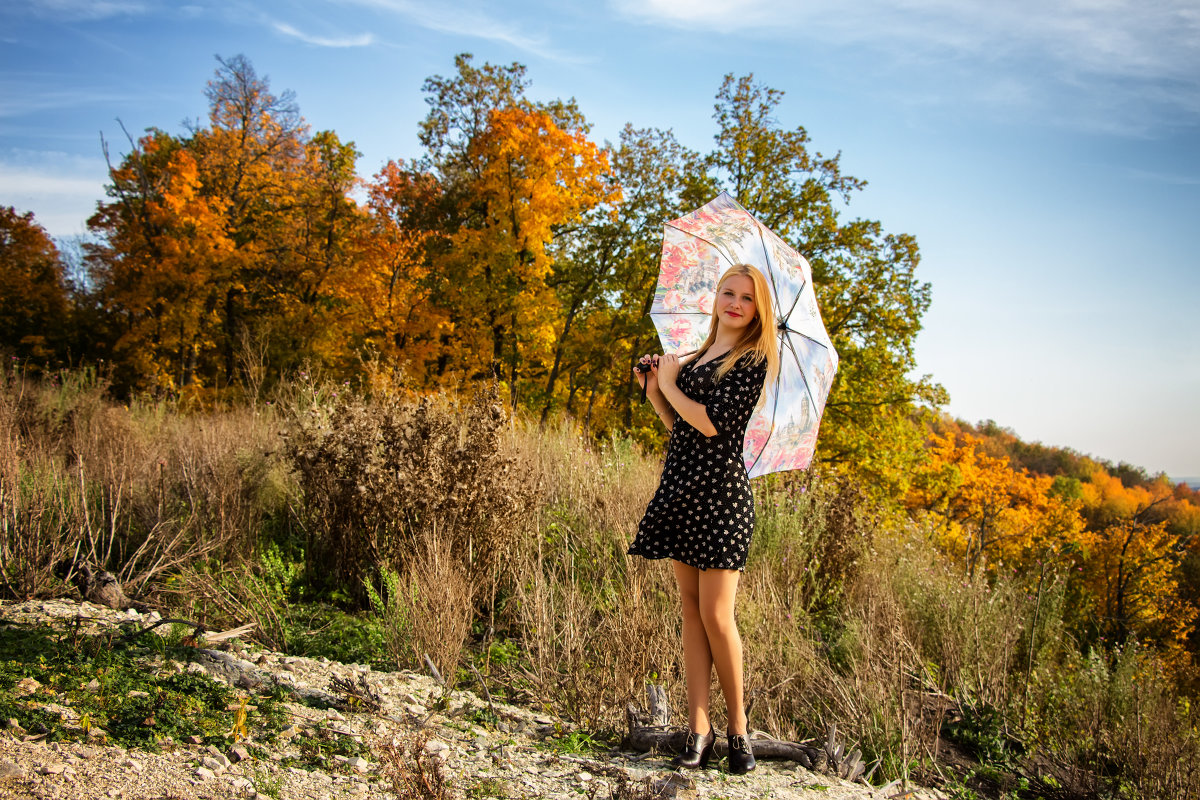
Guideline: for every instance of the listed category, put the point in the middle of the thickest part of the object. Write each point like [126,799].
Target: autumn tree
[1135,570]
[510,175]
[33,294]
[160,265]
[605,275]
[240,237]
[988,514]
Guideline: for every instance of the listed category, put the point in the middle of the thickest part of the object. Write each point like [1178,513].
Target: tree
[865,281]
[605,273]
[990,514]
[160,266]
[33,296]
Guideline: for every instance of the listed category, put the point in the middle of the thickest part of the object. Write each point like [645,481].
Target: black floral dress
[703,511]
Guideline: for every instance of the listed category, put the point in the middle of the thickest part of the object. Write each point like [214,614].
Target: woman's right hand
[647,380]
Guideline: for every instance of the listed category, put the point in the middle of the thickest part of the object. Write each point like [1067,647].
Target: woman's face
[735,302]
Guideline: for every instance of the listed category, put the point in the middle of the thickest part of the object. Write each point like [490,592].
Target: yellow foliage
[990,515]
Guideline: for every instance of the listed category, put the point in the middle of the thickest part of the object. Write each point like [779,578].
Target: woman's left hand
[668,369]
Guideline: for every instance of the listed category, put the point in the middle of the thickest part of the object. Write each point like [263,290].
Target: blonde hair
[759,338]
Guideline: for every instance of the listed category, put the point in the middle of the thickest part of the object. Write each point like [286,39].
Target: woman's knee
[718,619]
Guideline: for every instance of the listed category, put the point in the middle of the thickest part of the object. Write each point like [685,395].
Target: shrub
[384,479]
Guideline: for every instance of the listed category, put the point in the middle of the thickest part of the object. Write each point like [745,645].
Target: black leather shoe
[741,757]
[698,750]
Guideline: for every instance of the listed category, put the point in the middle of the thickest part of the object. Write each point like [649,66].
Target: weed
[488,787]
[576,742]
[413,773]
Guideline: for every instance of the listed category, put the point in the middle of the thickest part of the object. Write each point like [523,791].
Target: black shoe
[741,757]
[698,750]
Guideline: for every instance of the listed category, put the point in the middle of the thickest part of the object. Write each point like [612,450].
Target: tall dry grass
[507,545]
[141,490]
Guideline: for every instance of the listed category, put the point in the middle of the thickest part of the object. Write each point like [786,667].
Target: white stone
[203,773]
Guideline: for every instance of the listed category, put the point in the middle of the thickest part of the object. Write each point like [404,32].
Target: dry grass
[140,490]
[501,531]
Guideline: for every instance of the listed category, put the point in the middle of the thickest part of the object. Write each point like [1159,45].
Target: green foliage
[575,742]
[118,688]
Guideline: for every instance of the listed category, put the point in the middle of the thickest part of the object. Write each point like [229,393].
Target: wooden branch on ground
[651,731]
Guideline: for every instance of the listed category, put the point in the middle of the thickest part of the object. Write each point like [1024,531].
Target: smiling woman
[702,515]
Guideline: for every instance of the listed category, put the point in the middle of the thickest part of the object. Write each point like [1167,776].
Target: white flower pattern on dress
[703,511]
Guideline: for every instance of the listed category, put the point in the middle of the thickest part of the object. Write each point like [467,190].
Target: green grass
[123,690]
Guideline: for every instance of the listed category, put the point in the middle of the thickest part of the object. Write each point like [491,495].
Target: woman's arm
[649,380]
[695,414]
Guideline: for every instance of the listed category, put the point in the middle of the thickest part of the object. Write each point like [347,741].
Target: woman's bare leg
[717,591]
[697,658]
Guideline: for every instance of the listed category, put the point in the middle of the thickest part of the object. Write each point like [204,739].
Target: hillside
[340,731]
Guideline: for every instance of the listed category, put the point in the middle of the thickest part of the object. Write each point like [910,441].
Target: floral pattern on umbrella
[697,249]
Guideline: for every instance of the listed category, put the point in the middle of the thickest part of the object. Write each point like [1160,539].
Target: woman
[702,515]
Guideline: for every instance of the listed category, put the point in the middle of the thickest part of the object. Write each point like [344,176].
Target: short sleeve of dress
[732,401]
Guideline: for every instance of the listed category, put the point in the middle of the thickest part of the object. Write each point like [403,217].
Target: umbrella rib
[799,368]
[714,245]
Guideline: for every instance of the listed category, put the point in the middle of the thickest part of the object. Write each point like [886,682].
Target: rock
[136,766]
[359,764]
[193,740]
[25,686]
[219,757]
[138,693]
[288,732]
[11,770]
[93,686]
[237,753]
[584,777]
[51,769]
[438,749]
[674,785]
[205,774]
[210,763]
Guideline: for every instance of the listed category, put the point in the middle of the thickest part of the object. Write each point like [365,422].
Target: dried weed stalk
[413,773]
[381,478]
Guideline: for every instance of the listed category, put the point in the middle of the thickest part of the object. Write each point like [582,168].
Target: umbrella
[697,249]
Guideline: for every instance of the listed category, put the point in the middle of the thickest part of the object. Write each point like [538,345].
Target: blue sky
[1046,155]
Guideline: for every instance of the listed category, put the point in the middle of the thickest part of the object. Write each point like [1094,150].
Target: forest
[394,415]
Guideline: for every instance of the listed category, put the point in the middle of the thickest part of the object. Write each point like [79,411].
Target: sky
[1044,153]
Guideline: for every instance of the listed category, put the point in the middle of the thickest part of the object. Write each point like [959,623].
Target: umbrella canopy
[697,249]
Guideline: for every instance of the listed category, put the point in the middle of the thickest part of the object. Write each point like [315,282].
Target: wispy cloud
[22,95]
[1111,56]
[83,10]
[361,40]
[60,189]
[466,19]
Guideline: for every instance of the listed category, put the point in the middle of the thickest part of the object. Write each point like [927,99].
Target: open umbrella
[697,249]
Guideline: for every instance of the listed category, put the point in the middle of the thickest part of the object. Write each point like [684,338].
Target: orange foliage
[989,514]
[530,177]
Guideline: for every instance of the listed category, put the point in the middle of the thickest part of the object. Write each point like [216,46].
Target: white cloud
[81,10]
[60,189]
[463,19]
[362,40]
[1157,38]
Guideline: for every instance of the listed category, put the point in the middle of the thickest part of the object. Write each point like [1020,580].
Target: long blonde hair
[759,337]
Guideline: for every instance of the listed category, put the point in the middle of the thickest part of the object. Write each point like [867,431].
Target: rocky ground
[410,735]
